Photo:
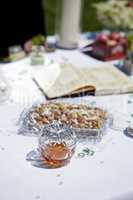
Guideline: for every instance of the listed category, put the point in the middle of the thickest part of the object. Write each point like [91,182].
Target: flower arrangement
[115,14]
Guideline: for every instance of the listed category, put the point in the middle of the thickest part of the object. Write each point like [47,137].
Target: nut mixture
[76,116]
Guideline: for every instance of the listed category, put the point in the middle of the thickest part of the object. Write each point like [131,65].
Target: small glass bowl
[37,55]
[16,53]
[57,145]
[5,89]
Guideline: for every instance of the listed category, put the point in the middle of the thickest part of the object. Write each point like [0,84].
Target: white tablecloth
[107,175]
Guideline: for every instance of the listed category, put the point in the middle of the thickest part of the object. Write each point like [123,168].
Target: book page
[64,79]
[109,80]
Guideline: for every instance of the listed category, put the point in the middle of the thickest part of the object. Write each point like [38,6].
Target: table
[107,175]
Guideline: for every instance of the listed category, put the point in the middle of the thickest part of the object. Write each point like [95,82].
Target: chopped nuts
[77,116]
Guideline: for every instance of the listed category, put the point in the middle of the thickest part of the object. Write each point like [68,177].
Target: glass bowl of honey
[57,144]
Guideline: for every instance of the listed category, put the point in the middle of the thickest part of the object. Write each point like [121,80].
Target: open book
[58,80]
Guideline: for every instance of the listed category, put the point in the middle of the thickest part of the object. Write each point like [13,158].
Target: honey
[56,154]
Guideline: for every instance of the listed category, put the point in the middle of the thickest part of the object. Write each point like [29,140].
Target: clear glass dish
[5,88]
[34,129]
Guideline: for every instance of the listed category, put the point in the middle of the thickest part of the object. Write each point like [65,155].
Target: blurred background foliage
[89,19]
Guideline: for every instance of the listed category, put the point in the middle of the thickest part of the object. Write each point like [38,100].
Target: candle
[69,27]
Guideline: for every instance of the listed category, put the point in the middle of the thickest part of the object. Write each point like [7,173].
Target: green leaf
[86,151]
[92,153]
[81,155]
